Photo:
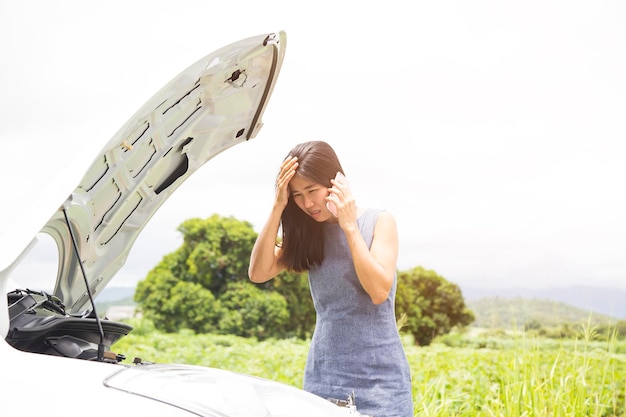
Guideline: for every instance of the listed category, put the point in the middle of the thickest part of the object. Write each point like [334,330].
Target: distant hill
[116,302]
[114,294]
[500,312]
[610,302]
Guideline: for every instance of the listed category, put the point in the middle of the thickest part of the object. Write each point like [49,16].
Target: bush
[251,312]
[433,306]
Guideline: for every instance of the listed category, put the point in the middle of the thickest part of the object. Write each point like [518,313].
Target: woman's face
[310,196]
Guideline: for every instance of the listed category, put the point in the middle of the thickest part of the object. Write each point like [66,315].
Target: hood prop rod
[93,304]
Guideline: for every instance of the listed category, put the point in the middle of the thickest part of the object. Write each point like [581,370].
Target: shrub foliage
[432,305]
[203,286]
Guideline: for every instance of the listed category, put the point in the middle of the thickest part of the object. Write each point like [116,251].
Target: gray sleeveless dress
[356,346]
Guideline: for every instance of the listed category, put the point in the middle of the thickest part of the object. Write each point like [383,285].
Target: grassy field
[460,375]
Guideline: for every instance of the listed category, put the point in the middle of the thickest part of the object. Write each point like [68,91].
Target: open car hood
[212,105]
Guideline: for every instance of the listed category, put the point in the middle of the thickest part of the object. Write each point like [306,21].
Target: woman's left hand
[341,196]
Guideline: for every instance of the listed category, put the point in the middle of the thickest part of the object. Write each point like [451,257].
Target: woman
[351,258]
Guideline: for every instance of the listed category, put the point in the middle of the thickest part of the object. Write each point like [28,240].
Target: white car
[55,352]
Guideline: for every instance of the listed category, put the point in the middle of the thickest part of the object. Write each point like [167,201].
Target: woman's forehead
[300,183]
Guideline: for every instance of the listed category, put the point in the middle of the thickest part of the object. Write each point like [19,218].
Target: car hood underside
[211,106]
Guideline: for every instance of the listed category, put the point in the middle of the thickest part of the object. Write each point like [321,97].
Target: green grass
[513,376]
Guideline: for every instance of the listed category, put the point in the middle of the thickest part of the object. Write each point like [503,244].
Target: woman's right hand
[265,257]
[287,171]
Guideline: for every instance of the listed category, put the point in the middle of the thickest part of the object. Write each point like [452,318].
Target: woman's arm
[376,266]
[265,257]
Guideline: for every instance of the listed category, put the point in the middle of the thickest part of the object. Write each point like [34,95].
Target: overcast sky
[494,131]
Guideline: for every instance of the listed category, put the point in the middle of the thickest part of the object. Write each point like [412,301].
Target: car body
[55,350]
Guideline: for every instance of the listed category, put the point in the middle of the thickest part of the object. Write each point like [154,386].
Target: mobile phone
[341,179]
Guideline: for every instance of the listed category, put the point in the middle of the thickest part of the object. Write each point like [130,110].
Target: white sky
[495,131]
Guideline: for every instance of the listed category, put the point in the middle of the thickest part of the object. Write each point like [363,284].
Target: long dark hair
[303,237]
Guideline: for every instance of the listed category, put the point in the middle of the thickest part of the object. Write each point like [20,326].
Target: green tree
[203,285]
[252,312]
[432,306]
[216,251]
[152,293]
[173,304]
